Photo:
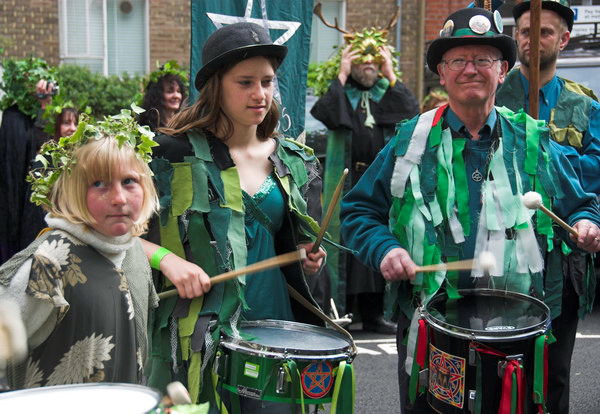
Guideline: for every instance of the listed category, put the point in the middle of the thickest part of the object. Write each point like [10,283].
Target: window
[108,36]
[323,38]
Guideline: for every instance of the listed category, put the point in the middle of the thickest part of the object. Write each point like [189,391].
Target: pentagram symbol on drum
[317,379]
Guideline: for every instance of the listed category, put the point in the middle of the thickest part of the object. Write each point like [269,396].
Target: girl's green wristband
[157,257]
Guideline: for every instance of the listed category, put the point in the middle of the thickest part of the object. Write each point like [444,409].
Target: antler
[393,20]
[317,11]
[487,4]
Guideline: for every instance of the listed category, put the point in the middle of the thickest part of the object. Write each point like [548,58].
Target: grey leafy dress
[88,304]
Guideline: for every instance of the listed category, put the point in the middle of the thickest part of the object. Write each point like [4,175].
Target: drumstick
[334,200]
[459,265]
[533,201]
[277,261]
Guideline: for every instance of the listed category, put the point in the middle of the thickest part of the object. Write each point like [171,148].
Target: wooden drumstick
[459,265]
[485,262]
[334,200]
[277,261]
[533,201]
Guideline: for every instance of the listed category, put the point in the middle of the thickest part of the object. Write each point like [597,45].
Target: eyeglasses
[480,62]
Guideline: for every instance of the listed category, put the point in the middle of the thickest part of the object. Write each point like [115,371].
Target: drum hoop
[277,352]
[488,336]
[120,385]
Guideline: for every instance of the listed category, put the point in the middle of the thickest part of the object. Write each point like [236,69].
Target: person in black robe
[363,103]
[20,139]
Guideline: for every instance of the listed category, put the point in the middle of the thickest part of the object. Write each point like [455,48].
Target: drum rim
[148,390]
[276,352]
[489,336]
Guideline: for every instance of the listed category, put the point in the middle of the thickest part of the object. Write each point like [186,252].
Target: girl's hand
[313,262]
[189,279]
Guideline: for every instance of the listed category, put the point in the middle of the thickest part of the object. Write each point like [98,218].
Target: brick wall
[169,31]
[30,28]
[436,13]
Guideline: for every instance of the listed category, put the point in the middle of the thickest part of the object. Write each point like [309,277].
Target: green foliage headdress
[367,42]
[20,79]
[56,158]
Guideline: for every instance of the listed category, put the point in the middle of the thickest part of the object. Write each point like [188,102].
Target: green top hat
[471,26]
[560,7]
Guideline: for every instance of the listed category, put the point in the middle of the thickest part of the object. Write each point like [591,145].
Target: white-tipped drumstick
[178,394]
[533,201]
[485,262]
[277,261]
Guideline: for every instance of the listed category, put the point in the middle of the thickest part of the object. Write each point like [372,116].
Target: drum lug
[424,378]
[471,403]
[502,364]
[472,356]
[220,365]
[281,387]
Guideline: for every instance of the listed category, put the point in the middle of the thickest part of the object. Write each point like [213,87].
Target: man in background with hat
[573,115]
[422,200]
[364,102]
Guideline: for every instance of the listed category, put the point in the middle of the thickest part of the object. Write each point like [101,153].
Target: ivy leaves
[20,78]
[56,158]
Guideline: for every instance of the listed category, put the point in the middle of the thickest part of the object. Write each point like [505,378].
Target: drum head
[488,315]
[283,339]
[101,398]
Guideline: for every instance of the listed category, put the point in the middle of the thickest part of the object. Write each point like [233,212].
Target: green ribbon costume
[569,121]
[202,220]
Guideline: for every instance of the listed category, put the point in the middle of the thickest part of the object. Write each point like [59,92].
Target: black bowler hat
[471,26]
[233,43]
[560,7]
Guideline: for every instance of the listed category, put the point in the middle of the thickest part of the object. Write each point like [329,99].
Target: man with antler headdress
[363,103]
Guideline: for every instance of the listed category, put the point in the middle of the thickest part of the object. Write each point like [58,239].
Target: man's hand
[387,66]
[589,236]
[44,90]
[397,265]
[348,56]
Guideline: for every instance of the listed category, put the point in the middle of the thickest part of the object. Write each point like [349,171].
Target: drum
[281,361]
[97,398]
[473,340]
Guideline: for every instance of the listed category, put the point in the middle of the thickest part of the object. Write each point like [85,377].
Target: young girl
[164,96]
[84,287]
[232,193]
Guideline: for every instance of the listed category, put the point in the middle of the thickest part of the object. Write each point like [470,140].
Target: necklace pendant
[476,176]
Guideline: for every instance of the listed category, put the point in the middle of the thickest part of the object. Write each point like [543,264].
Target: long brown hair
[207,113]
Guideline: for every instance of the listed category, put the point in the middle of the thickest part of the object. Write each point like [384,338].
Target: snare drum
[97,398]
[474,340]
[278,360]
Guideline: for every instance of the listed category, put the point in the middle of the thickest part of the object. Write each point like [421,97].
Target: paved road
[377,384]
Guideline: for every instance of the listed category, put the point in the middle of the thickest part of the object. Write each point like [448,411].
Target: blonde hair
[99,160]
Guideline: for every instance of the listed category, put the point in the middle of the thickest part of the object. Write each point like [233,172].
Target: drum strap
[420,353]
[513,381]
[540,373]
[345,386]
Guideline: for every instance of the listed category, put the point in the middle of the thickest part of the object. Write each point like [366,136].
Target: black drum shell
[455,340]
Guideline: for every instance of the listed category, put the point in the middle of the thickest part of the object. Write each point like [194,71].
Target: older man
[574,120]
[449,184]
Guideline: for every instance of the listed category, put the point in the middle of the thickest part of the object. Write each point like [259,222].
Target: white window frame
[63,34]
[341,22]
